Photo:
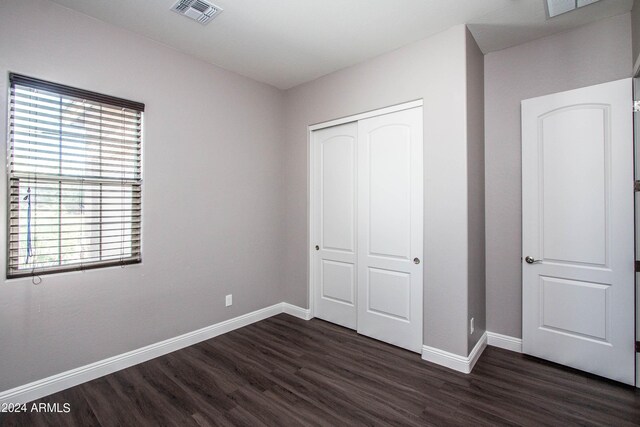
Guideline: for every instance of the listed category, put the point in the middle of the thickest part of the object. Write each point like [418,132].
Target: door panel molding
[601,148]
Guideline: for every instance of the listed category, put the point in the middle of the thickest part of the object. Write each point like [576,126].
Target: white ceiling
[289,42]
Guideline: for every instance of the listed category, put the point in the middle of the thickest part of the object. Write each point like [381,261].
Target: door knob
[317,248]
[416,260]
[531,260]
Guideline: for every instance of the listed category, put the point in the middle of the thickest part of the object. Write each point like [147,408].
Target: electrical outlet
[471,326]
[228,300]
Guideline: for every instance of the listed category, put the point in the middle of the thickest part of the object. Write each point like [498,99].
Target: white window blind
[74,166]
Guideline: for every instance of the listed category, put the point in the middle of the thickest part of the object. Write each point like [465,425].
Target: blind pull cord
[28,199]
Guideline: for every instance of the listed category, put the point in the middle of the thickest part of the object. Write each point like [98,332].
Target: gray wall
[596,53]
[635,33]
[475,184]
[432,69]
[213,198]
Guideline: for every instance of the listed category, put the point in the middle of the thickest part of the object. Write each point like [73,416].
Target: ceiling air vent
[198,10]
[558,7]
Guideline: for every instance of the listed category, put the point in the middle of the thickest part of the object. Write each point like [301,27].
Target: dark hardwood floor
[284,371]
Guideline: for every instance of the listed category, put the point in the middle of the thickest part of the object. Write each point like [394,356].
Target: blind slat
[82,251]
[79,227]
[73,112]
[61,157]
[29,97]
[43,128]
[92,112]
[79,141]
[65,149]
[35,128]
[50,156]
[16,238]
[86,186]
[38,125]
[66,119]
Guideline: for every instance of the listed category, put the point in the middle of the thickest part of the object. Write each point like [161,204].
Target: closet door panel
[390,228]
[334,260]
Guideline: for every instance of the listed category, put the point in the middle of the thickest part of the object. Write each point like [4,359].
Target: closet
[367,224]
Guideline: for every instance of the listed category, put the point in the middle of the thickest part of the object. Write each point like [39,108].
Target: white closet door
[390,224]
[335,224]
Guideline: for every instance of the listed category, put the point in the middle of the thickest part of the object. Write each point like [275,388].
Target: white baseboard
[53,384]
[455,361]
[504,341]
[294,310]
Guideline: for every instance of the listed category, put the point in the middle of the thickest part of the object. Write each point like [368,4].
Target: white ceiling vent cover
[558,7]
[198,10]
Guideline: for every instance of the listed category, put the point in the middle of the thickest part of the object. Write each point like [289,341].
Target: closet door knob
[317,248]
[416,260]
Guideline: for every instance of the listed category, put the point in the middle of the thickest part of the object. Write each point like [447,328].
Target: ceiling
[288,42]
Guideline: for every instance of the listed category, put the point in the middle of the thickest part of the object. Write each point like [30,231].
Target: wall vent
[198,10]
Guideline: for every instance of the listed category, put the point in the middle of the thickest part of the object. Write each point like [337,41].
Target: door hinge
[636,106]
[637,346]
[637,266]
[636,186]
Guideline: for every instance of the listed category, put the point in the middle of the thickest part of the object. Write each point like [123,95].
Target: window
[74,180]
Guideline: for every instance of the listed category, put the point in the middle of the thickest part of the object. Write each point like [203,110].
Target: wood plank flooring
[285,372]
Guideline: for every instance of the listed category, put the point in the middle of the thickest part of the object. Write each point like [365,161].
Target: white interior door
[335,223]
[390,223]
[578,222]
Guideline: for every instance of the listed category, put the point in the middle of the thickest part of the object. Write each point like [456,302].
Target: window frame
[12,271]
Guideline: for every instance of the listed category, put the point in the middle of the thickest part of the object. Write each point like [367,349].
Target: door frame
[312,185]
[636,173]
